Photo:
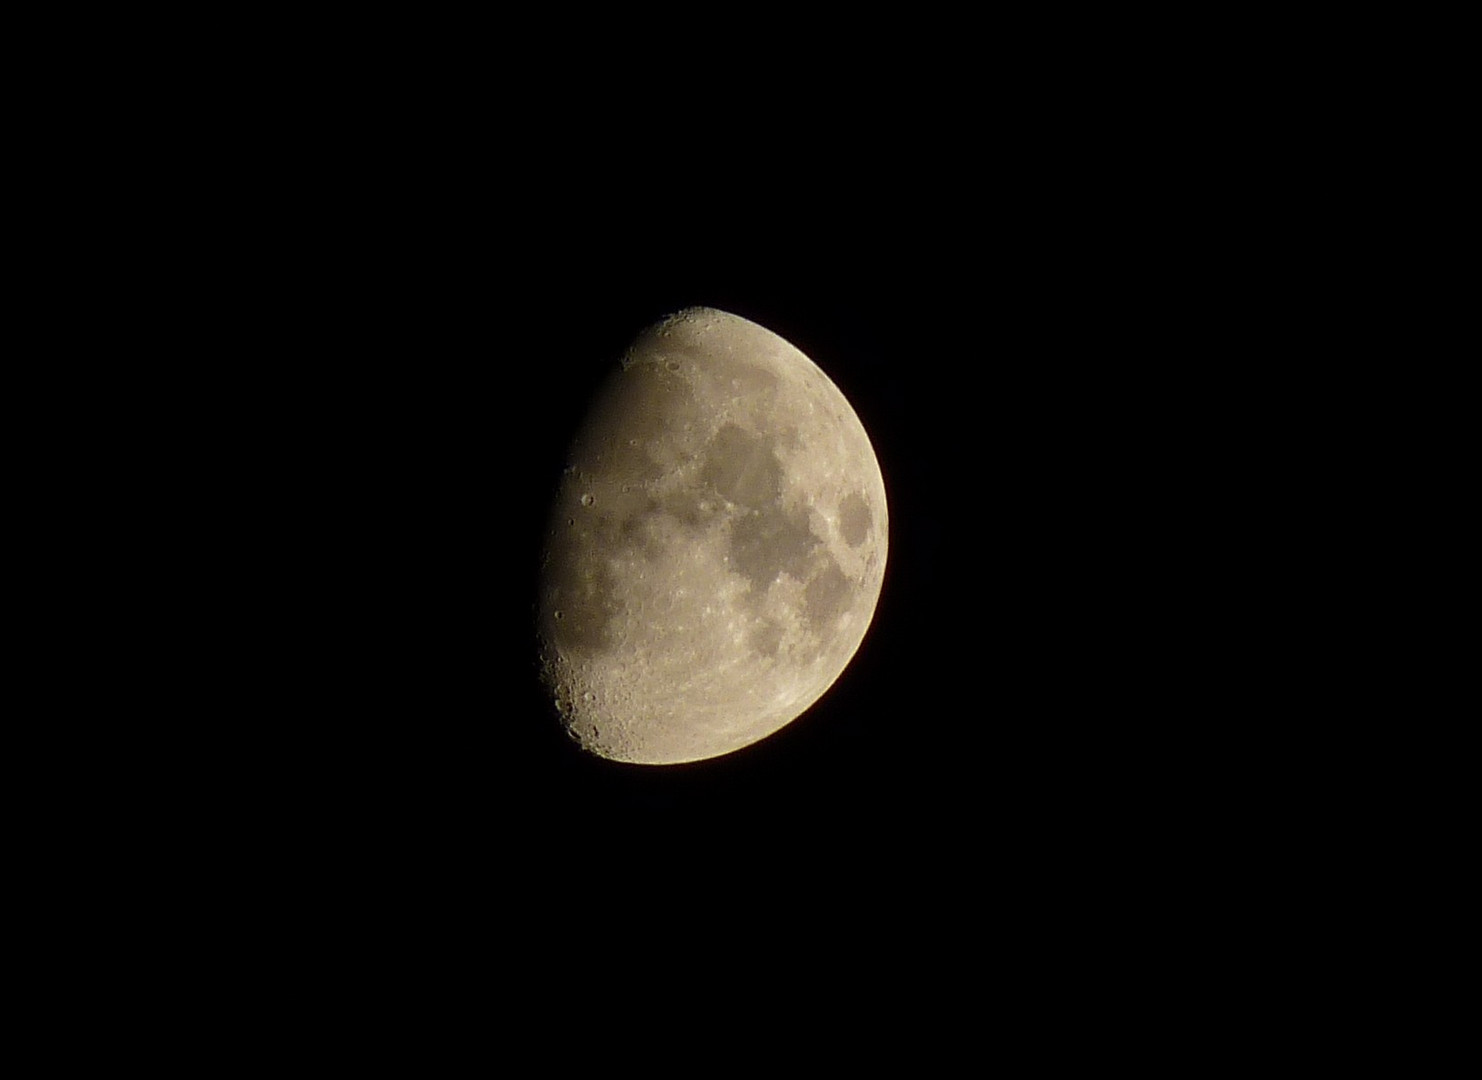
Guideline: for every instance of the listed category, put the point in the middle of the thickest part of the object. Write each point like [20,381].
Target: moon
[716,548]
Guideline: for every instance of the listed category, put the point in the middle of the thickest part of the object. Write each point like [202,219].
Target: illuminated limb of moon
[717,546]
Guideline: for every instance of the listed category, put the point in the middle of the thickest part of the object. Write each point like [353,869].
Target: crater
[692,509]
[671,357]
[582,603]
[638,429]
[855,519]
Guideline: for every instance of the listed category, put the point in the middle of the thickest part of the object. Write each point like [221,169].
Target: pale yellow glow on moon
[717,546]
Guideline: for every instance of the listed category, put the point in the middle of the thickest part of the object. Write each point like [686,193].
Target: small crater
[634,425]
[588,499]
[582,591]
[690,510]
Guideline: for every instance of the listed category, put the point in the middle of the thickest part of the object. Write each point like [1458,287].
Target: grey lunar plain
[716,549]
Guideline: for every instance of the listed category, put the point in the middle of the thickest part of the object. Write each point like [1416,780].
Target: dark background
[352,300]
[1036,686]
[1049,338]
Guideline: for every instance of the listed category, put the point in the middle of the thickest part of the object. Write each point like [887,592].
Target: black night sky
[1061,315]
[1025,668]
[1048,675]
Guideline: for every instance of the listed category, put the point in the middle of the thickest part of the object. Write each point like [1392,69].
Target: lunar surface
[716,548]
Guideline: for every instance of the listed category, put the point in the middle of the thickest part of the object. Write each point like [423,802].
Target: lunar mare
[716,549]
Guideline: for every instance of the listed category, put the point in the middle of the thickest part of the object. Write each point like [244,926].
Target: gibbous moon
[716,548]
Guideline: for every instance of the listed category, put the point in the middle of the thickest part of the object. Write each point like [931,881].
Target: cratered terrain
[716,548]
